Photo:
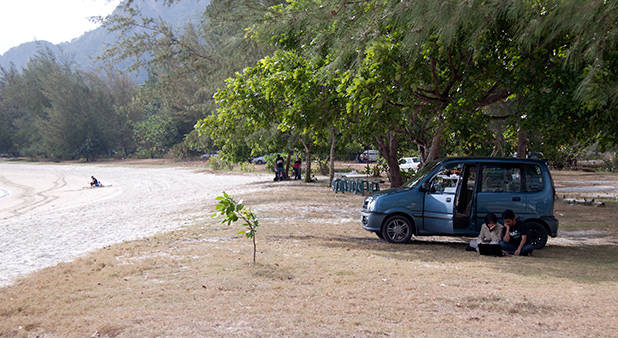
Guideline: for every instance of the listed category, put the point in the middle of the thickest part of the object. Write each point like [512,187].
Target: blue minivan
[452,196]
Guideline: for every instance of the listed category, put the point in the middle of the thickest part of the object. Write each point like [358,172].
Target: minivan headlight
[369,203]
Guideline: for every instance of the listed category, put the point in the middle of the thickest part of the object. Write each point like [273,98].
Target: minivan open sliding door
[440,200]
[465,203]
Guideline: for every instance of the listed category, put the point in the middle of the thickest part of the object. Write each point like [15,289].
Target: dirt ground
[318,273]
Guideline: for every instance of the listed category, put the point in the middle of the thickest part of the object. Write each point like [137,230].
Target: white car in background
[409,163]
[263,159]
[369,156]
[259,159]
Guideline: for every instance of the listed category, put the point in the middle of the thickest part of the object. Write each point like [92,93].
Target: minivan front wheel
[397,229]
[537,235]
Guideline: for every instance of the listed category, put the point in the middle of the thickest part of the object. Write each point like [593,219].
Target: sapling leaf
[232,211]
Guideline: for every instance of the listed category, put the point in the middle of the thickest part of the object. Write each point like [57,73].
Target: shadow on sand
[581,263]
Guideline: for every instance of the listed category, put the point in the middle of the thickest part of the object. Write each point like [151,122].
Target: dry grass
[318,274]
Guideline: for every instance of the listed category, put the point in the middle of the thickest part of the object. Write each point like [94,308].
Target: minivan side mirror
[425,186]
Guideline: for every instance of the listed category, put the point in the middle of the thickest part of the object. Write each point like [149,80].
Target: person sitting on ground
[94,182]
[297,170]
[491,233]
[515,240]
[279,168]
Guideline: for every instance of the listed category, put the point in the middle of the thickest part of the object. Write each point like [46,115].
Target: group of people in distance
[512,236]
[280,174]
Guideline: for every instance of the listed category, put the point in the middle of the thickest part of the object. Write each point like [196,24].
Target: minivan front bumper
[372,221]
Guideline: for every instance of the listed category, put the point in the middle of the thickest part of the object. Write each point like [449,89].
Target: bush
[180,151]
[377,169]
[407,175]
[216,163]
[247,167]
[609,165]
[322,166]
[145,153]
[270,161]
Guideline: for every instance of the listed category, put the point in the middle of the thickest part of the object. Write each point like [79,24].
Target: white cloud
[54,21]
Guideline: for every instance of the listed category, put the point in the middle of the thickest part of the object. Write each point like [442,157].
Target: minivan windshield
[419,175]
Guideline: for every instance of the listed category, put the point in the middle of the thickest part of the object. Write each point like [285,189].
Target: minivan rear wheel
[537,235]
[397,229]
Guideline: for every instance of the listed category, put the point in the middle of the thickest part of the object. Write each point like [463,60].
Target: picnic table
[356,183]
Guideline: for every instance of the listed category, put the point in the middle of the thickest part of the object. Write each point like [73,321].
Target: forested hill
[84,49]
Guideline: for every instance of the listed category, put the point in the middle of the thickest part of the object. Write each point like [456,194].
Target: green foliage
[188,66]
[246,167]
[283,91]
[56,112]
[233,211]
[180,151]
[198,143]
[217,163]
[270,161]
[407,175]
[424,69]
[609,165]
[434,77]
[155,135]
[322,165]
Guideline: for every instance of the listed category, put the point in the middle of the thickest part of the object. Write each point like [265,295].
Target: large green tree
[283,90]
[445,60]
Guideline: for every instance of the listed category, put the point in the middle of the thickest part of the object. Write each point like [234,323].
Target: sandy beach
[49,213]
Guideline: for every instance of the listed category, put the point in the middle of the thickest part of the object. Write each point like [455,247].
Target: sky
[51,20]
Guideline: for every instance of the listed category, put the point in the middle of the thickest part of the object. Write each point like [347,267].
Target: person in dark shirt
[515,240]
[94,182]
[279,168]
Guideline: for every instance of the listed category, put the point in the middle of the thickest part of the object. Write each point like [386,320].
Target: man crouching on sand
[94,182]
[515,237]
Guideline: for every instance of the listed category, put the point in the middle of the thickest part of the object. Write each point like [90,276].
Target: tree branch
[434,75]
[493,95]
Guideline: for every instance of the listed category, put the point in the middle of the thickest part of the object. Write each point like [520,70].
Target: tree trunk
[430,150]
[436,147]
[287,164]
[498,144]
[331,169]
[422,154]
[307,145]
[254,248]
[389,148]
[522,143]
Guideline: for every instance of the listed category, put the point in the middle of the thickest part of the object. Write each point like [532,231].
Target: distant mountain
[82,51]
[19,55]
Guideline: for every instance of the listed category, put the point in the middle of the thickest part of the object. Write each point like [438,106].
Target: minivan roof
[493,159]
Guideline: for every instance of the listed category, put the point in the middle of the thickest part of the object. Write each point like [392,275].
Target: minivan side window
[501,179]
[533,178]
[446,180]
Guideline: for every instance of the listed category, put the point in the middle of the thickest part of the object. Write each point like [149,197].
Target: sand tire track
[45,199]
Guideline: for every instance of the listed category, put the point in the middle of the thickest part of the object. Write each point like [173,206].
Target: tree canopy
[433,78]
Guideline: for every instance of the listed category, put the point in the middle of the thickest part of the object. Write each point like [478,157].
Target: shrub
[247,167]
[217,163]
